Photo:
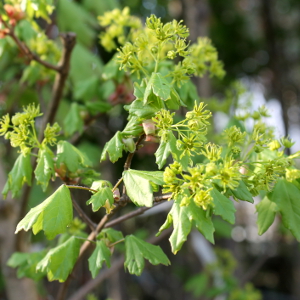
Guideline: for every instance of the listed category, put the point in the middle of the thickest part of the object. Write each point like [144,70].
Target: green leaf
[164,150]
[134,127]
[104,197]
[73,121]
[223,206]
[183,217]
[67,12]
[266,210]
[138,250]
[159,86]
[20,173]
[44,170]
[147,111]
[59,261]
[138,188]
[242,192]
[101,254]
[70,156]
[154,176]
[111,234]
[53,215]
[26,264]
[84,64]
[114,148]
[86,89]
[286,195]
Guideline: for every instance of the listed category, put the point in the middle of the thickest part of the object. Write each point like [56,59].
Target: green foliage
[26,264]
[200,172]
[101,254]
[20,173]
[59,261]
[52,216]
[138,250]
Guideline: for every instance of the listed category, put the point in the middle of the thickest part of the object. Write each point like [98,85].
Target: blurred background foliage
[258,41]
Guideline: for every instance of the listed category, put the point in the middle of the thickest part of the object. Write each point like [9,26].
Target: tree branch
[26,51]
[83,215]
[69,40]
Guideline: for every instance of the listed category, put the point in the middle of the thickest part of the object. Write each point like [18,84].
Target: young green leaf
[160,87]
[52,216]
[101,254]
[44,170]
[26,264]
[59,261]
[138,188]
[73,121]
[266,210]
[20,173]
[286,195]
[114,148]
[133,127]
[154,176]
[111,234]
[147,111]
[104,197]
[138,250]
[183,217]
[223,206]
[164,150]
[242,192]
[70,156]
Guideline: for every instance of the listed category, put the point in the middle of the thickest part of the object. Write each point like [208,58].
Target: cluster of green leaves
[201,177]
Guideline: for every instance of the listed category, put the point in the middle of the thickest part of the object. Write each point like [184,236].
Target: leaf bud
[149,127]
[129,144]
[116,194]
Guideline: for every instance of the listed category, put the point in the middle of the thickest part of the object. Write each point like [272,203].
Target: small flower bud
[274,145]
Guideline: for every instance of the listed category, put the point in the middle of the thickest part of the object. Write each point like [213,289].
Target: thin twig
[83,215]
[26,51]
[69,41]
[117,265]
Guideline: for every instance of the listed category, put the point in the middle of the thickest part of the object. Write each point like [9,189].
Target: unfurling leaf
[52,216]
[70,156]
[114,148]
[101,254]
[44,170]
[138,250]
[59,261]
[104,197]
[183,217]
